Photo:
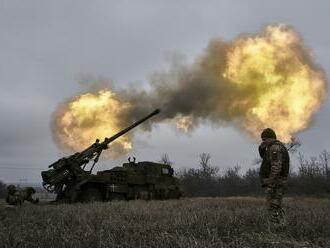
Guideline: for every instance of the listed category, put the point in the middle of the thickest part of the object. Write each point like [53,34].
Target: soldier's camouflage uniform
[18,196]
[273,174]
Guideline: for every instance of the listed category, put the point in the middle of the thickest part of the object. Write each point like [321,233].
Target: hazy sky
[46,46]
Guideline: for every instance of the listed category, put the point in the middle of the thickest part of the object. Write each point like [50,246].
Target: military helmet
[268,133]
[11,189]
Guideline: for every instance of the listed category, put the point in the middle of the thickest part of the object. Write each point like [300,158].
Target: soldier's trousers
[274,197]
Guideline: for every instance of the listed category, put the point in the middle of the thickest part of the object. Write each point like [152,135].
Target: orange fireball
[89,116]
[287,89]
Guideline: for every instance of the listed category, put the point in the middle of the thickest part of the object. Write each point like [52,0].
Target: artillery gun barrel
[67,170]
[97,147]
[112,138]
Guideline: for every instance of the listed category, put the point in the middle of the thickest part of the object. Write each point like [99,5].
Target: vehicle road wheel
[91,194]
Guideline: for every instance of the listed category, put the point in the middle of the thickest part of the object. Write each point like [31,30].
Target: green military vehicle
[142,180]
[69,179]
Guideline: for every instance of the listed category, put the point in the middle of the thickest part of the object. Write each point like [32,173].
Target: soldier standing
[273,173]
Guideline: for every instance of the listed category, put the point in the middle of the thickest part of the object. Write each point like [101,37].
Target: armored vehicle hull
[143,180]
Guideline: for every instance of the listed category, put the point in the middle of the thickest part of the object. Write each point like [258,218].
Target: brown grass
[199,222]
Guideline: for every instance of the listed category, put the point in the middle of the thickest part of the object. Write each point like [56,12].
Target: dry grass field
[198,222]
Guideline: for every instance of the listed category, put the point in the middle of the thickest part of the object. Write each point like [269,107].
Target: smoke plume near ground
[268,79]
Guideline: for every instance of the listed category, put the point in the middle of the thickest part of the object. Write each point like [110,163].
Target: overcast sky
[46,46]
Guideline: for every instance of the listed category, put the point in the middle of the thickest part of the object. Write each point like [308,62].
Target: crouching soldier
[18,196]
[273,173]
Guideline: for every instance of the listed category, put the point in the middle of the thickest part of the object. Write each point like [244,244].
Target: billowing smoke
[255,81]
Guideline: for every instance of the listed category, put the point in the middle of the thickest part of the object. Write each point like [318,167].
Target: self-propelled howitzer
[67,176]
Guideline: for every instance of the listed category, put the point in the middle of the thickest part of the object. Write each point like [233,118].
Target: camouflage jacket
[275,160]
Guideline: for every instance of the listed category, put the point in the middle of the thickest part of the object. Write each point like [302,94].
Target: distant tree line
[311,178]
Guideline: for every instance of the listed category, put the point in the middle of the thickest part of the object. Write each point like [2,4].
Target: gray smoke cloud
[208,90]
[201,92]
